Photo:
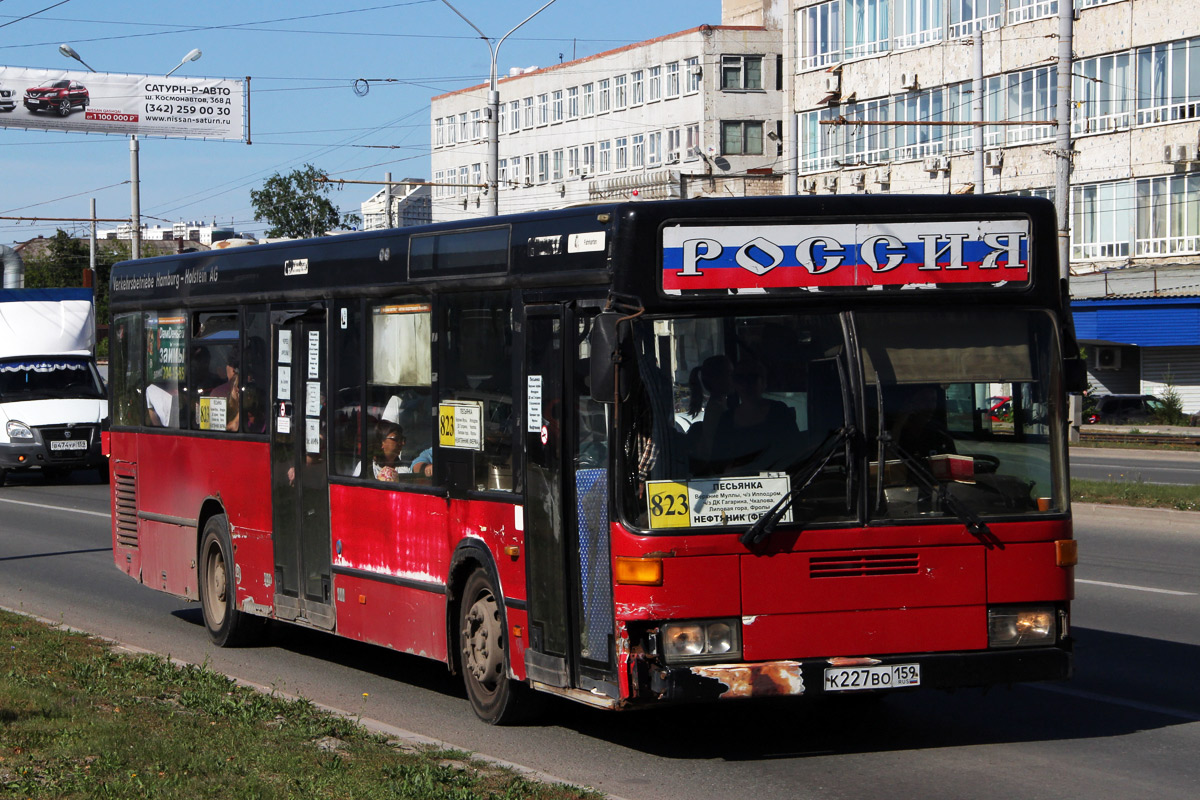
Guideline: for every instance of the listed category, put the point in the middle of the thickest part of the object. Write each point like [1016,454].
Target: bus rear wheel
[227,627]
[496,698]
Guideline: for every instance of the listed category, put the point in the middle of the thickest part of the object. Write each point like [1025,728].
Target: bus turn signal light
[639,571]
[1066,552]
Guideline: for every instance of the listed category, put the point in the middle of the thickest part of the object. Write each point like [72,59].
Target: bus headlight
[708,640]
[1017,626]
[18,430]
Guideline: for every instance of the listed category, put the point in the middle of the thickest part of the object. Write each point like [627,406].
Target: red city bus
[629,454]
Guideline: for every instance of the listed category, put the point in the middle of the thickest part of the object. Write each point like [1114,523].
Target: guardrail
[1116,437]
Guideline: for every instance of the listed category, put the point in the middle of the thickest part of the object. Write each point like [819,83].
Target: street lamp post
[493,121]
[135,179]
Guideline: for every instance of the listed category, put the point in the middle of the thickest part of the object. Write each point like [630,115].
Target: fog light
[711,640]
[1018,627]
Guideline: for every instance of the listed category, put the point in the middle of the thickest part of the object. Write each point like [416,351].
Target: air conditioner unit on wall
[908,81]
[808,185]
[672,158]
[883,175]
[1179,153]
[1108,358]
[833,83]
[993,158]
[935,164]
[858,180]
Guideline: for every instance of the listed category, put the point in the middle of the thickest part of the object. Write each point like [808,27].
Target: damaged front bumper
[654,682]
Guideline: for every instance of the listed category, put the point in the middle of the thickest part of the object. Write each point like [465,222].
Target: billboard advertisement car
[99,102]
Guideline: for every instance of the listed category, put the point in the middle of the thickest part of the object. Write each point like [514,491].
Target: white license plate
[883,676]
[69,444]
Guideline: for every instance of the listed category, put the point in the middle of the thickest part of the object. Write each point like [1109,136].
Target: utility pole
[1062,142]
[387,198]
[977,111]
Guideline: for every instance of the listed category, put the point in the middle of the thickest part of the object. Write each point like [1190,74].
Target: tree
[296,205]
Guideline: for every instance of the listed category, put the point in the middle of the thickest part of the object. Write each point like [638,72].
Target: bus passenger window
[255,376]
[215,371]
[125,369]
[166,342]
[476,385]
[399,419]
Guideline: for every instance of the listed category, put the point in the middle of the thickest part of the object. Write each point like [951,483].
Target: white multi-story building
[691,113]
[411,205]
[194,231]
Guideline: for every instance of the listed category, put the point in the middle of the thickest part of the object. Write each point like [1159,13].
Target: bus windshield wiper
[812,467]
[942,492]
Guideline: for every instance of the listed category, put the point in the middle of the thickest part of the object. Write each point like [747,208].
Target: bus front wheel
[495,696]
[227,626]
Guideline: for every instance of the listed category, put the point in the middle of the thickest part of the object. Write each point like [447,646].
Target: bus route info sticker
[711,502]
[460,424]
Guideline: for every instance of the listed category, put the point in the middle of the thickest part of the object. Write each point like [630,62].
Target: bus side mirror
[611,362]
[1075,375]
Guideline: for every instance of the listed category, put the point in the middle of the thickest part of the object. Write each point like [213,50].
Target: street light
[493,122]
[135,180]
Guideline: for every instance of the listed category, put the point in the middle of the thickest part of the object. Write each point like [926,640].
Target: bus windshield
[730,414]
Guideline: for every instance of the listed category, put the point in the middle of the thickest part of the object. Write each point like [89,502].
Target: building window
[502,177]
[637,156]
[1102,94]
[476,177]
[693,141]
[529,170]
[556,109]
[620,91]
[573,103]
[741,72]
[692,76]
[463,180]
[514,170]
[971,16]
[1168,81]
[926,108]
[918,22]
[637,86]
[605,157]
[1168,215]
[841,29]
[543,167]
[514,116]
[1025,10]
[439,133]
[674,137]
[819,144]
[589,100]
[573,161]
[673,79]
[867,144]
[654,149]
[556,165]
[543,109]
[741,138]
[605,96]
[1102,223]
[655,84]
[464,131]
[1032,95]
[527,104]
[622,150]
[476,130]
[589,159]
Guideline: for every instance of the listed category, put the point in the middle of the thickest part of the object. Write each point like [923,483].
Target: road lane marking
[1117,701]
[1136,588]
[56,508]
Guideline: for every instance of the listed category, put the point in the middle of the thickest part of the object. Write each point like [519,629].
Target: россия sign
[770,256]
[146,105]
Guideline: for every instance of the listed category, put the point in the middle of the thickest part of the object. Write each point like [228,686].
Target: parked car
[60,97]
[8,98]
[1124,409]
[1001,408]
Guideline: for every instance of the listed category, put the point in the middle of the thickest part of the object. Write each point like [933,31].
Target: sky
[303,58]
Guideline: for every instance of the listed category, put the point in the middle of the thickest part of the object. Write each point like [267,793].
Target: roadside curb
[373,725]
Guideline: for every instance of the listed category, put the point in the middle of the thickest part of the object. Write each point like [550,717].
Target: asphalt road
[1127,726]
[1177,467]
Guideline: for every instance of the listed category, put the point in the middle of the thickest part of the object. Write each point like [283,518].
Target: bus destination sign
[704,258]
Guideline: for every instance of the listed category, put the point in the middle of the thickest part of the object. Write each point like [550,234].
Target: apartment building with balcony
[692,113]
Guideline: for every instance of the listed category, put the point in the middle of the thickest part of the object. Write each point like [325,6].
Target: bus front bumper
[819,677]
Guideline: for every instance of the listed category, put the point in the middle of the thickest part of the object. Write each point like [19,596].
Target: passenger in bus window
[758,433]
[714,376]
[386,464]
[231,392]
[423,463]
[253,410]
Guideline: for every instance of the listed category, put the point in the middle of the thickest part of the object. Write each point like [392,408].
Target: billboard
[99,102]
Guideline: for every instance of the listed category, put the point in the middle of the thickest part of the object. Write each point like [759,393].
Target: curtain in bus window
[166,342]
[399,394]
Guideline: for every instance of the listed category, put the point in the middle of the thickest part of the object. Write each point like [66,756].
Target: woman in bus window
[386,464]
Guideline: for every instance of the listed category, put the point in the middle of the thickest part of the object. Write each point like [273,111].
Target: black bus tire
[227,627]
[483,636]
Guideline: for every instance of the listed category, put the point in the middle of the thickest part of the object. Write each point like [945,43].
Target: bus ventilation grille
[126,493]
[864,566]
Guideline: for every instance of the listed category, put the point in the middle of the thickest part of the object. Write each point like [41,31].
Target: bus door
[568,574]
[300,479]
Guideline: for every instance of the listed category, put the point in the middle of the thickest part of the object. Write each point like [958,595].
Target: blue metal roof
[1145,322]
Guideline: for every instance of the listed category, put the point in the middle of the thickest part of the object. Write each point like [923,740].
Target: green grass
[1136,493]
[78,720]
